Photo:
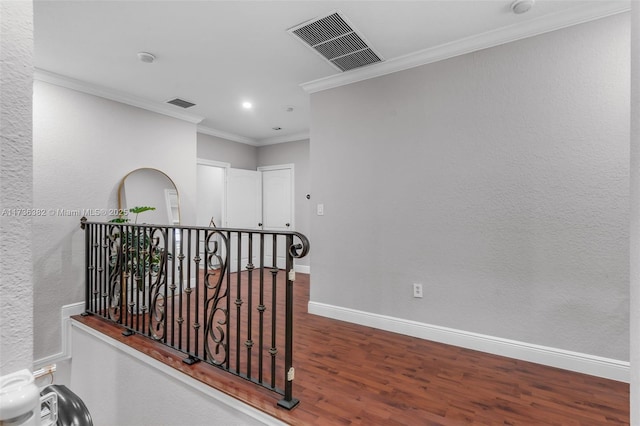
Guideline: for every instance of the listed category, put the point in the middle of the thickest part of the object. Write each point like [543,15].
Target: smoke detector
[521,6]
[146,57]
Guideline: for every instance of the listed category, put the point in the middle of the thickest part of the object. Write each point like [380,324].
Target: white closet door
[244,210]
[277,208]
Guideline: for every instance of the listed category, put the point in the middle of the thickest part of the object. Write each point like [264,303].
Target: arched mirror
[147,187]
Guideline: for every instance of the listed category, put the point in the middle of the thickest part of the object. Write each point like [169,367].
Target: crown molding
[104,92]
[514,32]
[283,139]
[226,135]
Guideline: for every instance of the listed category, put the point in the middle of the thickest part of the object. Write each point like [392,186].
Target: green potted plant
[137,244]
[141,257]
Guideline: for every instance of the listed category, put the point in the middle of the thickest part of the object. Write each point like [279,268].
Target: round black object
[71,409]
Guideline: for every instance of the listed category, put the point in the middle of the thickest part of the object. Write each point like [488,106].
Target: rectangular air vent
[334,38]
[181,103]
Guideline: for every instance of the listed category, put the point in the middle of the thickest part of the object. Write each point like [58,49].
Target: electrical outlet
[417,290]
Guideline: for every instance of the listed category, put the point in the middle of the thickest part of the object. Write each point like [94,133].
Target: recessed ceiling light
[146,57]
[247,105]
[521,6]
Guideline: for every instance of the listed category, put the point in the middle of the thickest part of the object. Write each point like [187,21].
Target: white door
[210,192]
[244,210]
[210,200]
[277,208]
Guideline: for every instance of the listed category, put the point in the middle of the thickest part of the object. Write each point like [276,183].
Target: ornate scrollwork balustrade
[219,295]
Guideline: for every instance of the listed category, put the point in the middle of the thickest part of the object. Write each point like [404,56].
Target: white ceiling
[218,54]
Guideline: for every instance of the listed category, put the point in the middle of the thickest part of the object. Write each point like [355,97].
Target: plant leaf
[137,210]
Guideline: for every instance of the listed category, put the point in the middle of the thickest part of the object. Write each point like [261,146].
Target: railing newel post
[288,402]
[83,226]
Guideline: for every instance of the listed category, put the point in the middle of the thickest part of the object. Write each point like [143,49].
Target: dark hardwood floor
[350,374]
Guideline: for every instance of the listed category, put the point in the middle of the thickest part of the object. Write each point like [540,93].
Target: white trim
[553,357]
[303,269]
[114,95]
[179,376]
[226,135]
[283,139]
[213,163]
[289,166]
[517,31]
[65,336]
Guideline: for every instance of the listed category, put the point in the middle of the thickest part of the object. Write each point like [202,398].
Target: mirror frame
[121,186]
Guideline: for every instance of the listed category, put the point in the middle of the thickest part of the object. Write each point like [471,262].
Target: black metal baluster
[129,276]
[101,287]
[96,272]
[192,359]
[104,253]
[117,272]
[274,273]
[95,291]
[261,309]
[238,300]
[180,286]
[205,288]
[196,261]
[250,267]
[123,275]
[146,277]
[188,290]
[135,258]
[166,285]
[173,286]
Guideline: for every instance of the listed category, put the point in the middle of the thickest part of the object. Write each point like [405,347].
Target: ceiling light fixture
[247,105]
[146,57]
[521,6]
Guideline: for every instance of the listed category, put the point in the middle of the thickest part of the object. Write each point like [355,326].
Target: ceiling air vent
[336,40]
[181,103]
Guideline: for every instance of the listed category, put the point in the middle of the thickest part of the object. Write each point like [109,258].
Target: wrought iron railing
[219,295]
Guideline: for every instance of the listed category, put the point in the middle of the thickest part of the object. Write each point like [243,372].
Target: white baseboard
[553,357]
[303,269]
[65,336]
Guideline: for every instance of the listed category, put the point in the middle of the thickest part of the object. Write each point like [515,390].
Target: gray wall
[498,179]
[296,153]
[239,155]
[83,146]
